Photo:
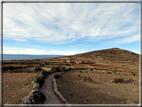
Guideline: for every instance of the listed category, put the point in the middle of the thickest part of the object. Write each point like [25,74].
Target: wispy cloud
[13,50]
[61,23]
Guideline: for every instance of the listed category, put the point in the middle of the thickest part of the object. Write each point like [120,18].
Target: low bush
[91,69]
[58,76]
[117,80]
[41,80]
[42,97]
[88,79]
[133,73]
[81,71]
[86,71]
[85,78]
[37,69]
[108,72]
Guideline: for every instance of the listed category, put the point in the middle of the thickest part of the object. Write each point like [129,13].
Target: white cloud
[128,39]
[13,50]
[60,23]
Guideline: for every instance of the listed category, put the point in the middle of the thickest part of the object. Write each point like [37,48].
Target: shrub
[37,69]
[116,80]
[91,69]
[81,71]
[119,71]
[57,69]
[58,76]
[86,71]
[42,97]
[85,78]
[88,79]
[108,72]
[41,80]
[133,73]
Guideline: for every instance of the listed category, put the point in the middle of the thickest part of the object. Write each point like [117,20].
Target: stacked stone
[34,96]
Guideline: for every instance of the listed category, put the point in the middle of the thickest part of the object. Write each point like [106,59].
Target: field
[100,91]
[16,86]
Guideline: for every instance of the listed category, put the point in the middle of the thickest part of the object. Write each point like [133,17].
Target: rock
[111,81]
[129,80]
[70,94]
[34,81]
[27,100]
[35,90]
[36,85]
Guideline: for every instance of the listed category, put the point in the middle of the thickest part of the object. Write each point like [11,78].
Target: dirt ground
[16,86]
[100,91]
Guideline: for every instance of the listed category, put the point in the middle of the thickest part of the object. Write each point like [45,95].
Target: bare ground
[101,91]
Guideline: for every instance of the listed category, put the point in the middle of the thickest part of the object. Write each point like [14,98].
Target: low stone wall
[55,87]
[34,96]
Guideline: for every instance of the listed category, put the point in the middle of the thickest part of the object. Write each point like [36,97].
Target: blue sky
[70,28]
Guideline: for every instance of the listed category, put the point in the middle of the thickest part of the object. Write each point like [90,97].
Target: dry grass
[100,91]
[16,86]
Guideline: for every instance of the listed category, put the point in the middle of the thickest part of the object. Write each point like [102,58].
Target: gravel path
[48,91]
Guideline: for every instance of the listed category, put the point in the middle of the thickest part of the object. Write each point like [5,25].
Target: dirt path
[47,89]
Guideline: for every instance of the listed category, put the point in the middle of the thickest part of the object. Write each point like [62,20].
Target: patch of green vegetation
[91,69]
[42,97]
[80,71]
[108,72]
[58,76]
[40,80]
[38,69]
[88,79]
[119,71]
[86,71]
[133,73]
[117,80]
[56,68]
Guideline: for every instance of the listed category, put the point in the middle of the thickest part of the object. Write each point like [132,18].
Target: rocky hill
[109,54]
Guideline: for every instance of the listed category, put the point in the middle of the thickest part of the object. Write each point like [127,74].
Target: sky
[70,28]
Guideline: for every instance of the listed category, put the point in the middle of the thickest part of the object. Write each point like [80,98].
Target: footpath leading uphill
[48,91]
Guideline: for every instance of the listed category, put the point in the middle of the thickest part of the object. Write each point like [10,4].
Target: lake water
[25,57]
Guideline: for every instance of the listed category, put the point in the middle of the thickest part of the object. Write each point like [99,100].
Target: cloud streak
[61,23]
[32,51]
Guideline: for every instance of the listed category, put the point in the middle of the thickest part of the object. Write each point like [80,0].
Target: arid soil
[100,91]
[16,86]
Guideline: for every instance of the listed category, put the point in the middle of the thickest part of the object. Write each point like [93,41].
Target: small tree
[37,69]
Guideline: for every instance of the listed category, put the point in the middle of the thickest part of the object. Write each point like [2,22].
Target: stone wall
[55,87]
[34,95]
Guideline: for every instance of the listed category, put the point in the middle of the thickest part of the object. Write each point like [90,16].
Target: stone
[36,85]
[35,90]
[34,81]
[111,81]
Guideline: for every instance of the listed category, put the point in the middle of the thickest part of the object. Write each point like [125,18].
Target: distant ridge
[108,54]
